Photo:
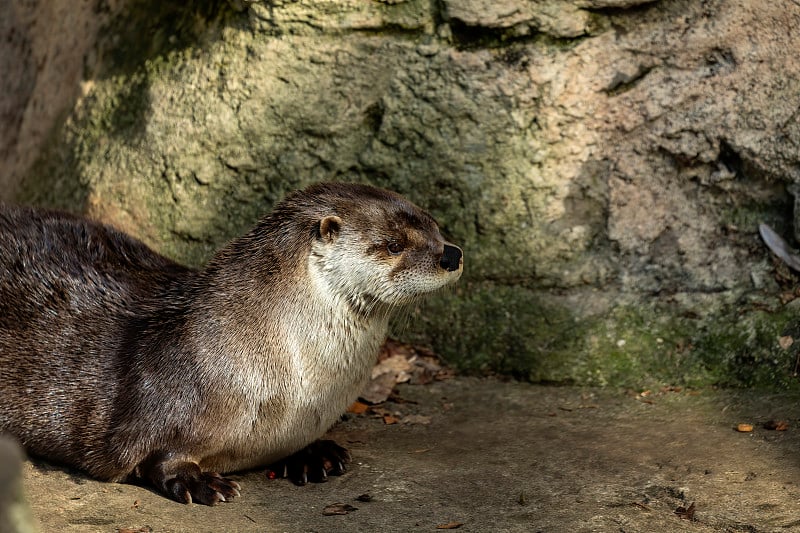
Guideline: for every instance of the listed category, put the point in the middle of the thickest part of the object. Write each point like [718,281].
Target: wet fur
[119,361]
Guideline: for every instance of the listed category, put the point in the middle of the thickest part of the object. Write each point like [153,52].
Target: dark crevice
[622,82]
[373,116]
[438,10]
[612,11]
[720,61]
[388,29]
[730,157]
[468,37]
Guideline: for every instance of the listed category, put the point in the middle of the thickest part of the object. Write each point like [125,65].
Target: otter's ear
[329,228]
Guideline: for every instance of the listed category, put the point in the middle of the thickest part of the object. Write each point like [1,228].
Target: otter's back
[64,285]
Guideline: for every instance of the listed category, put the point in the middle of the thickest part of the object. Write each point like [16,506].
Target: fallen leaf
[390,419]
[776,425]
[685,513]
[400,363]
[358,408]
[338,509]
[392,347]
[416,419]
[396,398]
[450,525]
[145,529]
[397,365]
[379,389]
[364,498]
[744,428]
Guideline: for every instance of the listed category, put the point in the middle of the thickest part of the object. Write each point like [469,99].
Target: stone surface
[500,457]
[604,164]
[15,515]
[44,48]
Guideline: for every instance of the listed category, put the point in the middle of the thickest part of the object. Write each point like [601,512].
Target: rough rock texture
[603,163]
[44,48]
[15,515]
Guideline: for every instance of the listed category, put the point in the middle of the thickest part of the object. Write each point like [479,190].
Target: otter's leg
[184,481]
[313,463]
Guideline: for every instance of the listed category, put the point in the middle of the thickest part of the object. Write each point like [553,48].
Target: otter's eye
[394,247]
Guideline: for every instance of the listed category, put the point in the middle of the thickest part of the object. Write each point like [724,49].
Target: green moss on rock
[520,332]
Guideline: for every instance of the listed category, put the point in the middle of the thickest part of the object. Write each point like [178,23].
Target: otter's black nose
[451,258]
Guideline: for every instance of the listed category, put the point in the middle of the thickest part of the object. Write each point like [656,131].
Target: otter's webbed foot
[185,482]
[313,463]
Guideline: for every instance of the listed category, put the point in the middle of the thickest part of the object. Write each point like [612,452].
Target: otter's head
[375,248]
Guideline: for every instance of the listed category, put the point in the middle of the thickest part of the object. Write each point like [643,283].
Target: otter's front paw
[185,482]
[313,463]
[208,488]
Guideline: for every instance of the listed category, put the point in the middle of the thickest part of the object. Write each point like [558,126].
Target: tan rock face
[44,48]
[598,160]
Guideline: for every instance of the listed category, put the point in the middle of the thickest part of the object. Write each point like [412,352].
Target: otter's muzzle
[451,258]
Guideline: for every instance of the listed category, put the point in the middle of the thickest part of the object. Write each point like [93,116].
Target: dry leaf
[776,425]
[358,408]
[379,389]
[416,419]
[398,365]
[338,508]
[392,347]
[744,428]
[390,419]
[450,525]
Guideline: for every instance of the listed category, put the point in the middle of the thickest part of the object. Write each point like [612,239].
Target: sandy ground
[499,457]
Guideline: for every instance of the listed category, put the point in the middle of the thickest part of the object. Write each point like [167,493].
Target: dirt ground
[497,456]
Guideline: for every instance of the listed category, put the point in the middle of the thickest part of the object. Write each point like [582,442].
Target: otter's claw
[208,488]
[313,463]
[185,482]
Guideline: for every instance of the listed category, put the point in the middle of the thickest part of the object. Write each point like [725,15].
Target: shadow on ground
[500,457]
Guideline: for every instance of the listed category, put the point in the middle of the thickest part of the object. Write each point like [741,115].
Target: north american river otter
[124,364]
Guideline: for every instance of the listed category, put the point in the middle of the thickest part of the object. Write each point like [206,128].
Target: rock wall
[603,163]
[44,47]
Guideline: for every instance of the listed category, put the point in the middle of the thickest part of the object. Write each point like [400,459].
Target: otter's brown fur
[122,363]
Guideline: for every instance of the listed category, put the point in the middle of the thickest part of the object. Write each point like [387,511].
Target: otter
[133,368]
